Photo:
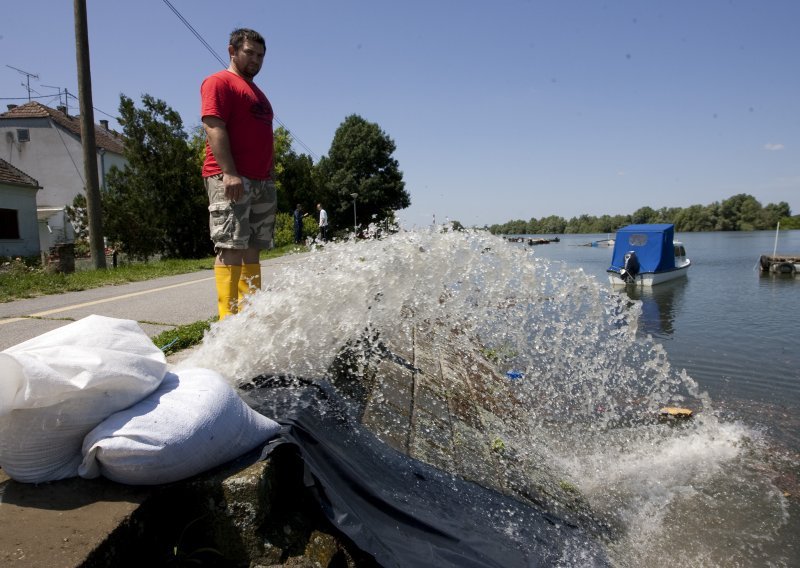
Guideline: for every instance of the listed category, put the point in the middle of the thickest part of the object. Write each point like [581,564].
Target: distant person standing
[238,170]
[298,224]
[323,223]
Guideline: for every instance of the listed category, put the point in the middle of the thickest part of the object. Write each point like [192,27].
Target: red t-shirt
[247,115]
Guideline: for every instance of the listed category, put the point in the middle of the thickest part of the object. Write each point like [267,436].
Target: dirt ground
[58,524]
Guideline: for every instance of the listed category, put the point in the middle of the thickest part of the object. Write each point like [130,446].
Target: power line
[26,98]
[94,107]
[296,139]
[225,64]
[196,33]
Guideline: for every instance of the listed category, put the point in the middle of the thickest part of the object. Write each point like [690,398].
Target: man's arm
[220,144]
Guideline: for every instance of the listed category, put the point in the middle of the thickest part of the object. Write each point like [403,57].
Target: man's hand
[234,186]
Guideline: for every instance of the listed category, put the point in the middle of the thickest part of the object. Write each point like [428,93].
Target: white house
[19,233]
[46,144]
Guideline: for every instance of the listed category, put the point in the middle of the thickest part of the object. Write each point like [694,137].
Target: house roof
[11,175]
[104,138]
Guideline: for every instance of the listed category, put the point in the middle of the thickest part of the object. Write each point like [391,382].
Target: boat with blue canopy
[646,255]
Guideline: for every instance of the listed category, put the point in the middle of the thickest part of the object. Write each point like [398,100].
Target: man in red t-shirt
[238,171]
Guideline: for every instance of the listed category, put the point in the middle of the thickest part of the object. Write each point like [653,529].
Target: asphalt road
[158,305]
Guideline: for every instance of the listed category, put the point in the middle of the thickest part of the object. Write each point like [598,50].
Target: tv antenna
[66,95]
[28,76]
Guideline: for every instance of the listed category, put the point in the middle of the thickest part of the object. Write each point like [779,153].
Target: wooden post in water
[775,246]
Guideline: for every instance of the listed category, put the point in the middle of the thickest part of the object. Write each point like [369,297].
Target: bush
[21,264]
[82,248]
[790,223]
[284,229]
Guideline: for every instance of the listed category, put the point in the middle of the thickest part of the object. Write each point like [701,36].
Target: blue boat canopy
[652,244]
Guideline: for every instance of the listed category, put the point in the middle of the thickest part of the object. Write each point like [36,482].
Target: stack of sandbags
[192,422]
[58,387]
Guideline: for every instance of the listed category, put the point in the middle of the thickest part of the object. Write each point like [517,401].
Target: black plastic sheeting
[404,512]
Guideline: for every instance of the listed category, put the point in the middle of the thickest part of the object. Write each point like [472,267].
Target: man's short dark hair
[239,36]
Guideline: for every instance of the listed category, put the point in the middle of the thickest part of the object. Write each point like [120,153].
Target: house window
[9,224]
[23,135]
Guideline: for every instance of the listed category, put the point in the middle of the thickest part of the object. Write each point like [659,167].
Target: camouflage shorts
[247,223]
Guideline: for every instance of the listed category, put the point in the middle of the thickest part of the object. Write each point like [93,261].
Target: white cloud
[773,147]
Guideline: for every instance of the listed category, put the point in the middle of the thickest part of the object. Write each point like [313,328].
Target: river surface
[733,329]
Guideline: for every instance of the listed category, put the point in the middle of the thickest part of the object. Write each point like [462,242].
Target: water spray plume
[583,393]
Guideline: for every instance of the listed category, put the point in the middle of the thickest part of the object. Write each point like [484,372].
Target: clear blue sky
[500,110]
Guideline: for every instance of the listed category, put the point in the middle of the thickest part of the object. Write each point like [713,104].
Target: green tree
[516,227]
[361,161]
[581,224]
[790,222]
[739,213]
[694,218]
[293,175]
[552,224]
[667,214]
[296,182]
[772,214]
[197,145]
[157,204]
[644,215]
[606,224]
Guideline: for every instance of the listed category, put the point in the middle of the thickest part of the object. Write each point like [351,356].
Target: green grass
[18,281]
[183,336]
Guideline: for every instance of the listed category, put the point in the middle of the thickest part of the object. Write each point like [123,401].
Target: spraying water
[693,493]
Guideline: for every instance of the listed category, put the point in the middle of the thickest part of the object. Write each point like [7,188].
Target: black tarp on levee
[406,513]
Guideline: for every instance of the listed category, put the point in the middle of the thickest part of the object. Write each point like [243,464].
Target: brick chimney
[62,108]
[11,107]
[104,124]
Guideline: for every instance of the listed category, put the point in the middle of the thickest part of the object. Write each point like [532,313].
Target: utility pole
[93,207]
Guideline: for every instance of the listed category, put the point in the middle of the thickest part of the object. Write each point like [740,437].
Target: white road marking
[103,301]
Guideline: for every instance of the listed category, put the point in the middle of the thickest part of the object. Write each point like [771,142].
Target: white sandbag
[56,387]
[193,422]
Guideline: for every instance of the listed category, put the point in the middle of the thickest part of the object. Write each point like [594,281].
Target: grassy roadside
[18,281]
[183,336]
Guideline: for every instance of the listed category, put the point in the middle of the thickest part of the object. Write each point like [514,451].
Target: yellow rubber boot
[227,278]
[249,282]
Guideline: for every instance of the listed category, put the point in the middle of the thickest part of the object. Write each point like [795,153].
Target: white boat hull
[648,279]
